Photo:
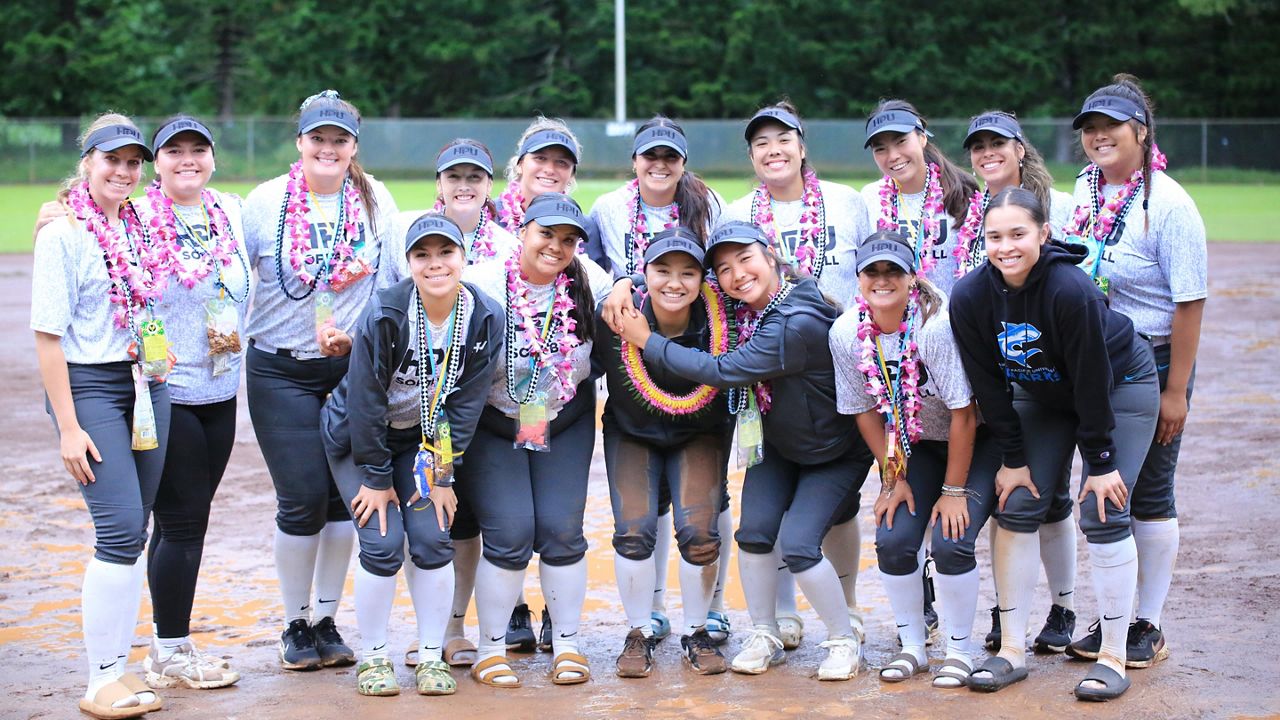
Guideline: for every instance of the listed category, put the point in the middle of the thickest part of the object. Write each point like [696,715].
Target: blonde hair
[81,174]
[931,299]
[540,123]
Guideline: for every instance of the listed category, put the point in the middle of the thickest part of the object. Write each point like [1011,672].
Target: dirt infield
[1220,619]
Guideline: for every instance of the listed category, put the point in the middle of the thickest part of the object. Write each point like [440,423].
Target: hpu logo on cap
[560,138]
[466,150]
[664,133]
[333,114]
[985,121]
[567,208]
[882,247]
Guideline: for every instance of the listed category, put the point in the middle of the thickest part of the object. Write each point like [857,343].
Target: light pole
[619,126]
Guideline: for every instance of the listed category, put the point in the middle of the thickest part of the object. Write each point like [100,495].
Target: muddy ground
[1220,618]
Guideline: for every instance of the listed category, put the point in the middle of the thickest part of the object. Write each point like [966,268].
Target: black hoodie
[789,349]
[1055,336]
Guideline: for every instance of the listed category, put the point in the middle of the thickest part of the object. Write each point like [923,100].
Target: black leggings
[200,441]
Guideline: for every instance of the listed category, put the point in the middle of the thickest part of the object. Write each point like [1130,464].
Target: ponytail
[583,300]
[360,179]
[694,199]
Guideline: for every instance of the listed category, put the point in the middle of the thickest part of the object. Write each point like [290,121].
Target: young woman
[814,226]
[317,237]
[922,195]
[802,455]
[204,312]
[1147,252]
[664,195]
[1029,318]
[464,181]
[898,370]
[102,357]
[526,475]
[546,161]
[1002,157]
[398,426]
[662,430]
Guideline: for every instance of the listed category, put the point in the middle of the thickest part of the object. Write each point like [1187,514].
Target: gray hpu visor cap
[899,121]
[114,137]
[327,111]
[891,250]
[676,239]
[547,138]
[734,232]
[551,209]
[997,123]
[464,152]
[1113,106]
[661,136]
[430,224]
[772,114]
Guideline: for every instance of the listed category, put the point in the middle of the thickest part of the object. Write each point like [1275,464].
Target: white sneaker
[761,650]
[859,629]
[187,667]
[790,630]
[844,658]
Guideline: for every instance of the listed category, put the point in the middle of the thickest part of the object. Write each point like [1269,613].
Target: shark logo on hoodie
[1014,339]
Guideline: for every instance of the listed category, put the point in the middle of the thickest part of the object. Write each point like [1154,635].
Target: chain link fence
[34,150]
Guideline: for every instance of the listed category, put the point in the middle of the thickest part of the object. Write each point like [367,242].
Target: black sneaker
[636,660]
[1145,646]
[520,630]
[1059,626]
[993,637]
[701,653]
[298,649]
[544,635]
[1087,647]
[333,651]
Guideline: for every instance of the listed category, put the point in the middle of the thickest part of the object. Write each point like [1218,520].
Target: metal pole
[620,61]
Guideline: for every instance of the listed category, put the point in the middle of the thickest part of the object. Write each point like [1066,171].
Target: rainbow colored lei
[933,207]
[701,396]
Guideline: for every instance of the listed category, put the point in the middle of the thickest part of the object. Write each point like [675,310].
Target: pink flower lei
[810,253]
[511,209]
[523,312]
[1097,220]
[968,233]
[889,212]
[295,219]
[164,226]
[640,235]
[877,385]
[747,321]
[138,270]
[481,246]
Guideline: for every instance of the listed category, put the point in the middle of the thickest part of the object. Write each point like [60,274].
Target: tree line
[715,58]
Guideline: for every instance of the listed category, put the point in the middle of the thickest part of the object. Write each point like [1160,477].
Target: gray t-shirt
[184,310]
[491,279]
[289,324]
[613,217]
[943,272]
[501,240]
[1157,263]
[848,224]
[1061,205]
[944,386]
[403,397]
[70,295]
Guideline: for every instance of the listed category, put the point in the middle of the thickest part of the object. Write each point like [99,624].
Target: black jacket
[354,418]
[634,417]
[789,349]
[1055,336]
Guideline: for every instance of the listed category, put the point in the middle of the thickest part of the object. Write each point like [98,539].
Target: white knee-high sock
[697,583]
[1157,542]
[784,587]
[1058,555]
[496,592]
[906,597]
[565,588]
[958,600]
[724,524]
[466,557]
[332,561]
[104,602]
[662,561]
[821,587]
[374,596]
[432,600]
[635,587]
[992,529]
[1115,577]
[759,572]
[295,566]
[843,547]
[1016,557]
[129,617]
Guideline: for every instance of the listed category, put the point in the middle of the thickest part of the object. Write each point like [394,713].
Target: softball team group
[424,384]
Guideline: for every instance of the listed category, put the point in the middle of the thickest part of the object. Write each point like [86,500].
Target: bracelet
[958,491]
[886,488]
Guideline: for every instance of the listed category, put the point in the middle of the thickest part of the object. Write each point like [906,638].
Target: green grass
[1248,213]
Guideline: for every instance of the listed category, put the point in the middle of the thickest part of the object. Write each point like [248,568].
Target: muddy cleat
[544,635]
[1145,646]
[520,630]
[636,660]
[1056,634]
[187,668]
[701,653]
[762,650]
[1087,647]
[333,651]
[844,658]
[298,648]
